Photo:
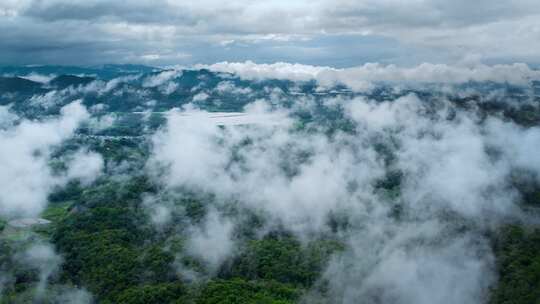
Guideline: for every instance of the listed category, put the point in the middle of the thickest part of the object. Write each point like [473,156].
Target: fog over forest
[327,152]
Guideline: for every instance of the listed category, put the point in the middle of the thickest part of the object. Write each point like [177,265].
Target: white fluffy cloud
[26,177]
[391,266]
[212,241]
[84,166]
[454,172]
[363,77]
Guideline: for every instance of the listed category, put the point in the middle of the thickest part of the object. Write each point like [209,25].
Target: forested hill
[135,184]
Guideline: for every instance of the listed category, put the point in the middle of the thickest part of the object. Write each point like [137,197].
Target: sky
[338,33]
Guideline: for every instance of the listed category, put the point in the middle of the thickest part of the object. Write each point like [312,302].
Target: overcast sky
[337,33]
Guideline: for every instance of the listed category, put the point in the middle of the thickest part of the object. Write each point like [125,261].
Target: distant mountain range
[107,71]
[38,90]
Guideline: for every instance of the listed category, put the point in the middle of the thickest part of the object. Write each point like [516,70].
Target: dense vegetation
[518,261]
[108,245]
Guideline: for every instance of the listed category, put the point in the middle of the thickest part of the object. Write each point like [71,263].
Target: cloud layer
[365,76]
[420,242]
[337,33]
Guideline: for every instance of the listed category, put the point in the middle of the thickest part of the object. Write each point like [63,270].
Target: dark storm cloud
[342,32]
[132,11]
[435,13]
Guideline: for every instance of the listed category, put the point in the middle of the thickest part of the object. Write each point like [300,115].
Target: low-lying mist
[415,189]
[404,175]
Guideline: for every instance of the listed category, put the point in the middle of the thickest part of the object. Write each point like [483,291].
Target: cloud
[212,241]
[280,70]
[386,269]
[365,76]
[75,296]
[41,256]
[202,96]
[193,150]
[47,100]
[84,166]
[171,32]
[39,78]
[100,123]
[26,176]
[228,87]
[160,78]
[421,241]
[518,144]
[7,118]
